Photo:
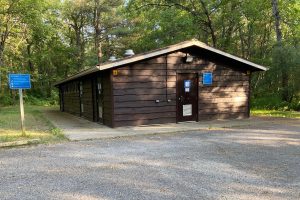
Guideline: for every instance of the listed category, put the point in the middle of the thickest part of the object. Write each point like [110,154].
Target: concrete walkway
[76,128]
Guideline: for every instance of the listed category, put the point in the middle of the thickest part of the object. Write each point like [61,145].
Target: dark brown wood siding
[136,88]
[87,98]
[145,92]
[107,99]
[227,97]
[70,92]
[71,97]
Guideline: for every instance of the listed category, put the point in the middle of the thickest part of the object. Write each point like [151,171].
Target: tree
[105,19]
[283,52]
[284,73]
[76,15]
[54,39]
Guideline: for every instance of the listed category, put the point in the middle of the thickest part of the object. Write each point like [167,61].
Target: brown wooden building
[189,81]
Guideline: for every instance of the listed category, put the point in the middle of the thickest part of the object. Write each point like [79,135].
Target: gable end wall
[137,87]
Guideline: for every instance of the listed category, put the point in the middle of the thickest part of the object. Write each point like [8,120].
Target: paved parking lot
[256,162]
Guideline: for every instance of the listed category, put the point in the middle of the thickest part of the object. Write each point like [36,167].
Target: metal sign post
[22,112]
[20,81]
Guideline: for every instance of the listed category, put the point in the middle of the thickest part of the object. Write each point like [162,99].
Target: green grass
[276,113]
[273,106]
[36,125]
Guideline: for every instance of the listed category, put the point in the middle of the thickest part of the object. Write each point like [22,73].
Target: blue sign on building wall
[207,78]
[19,81]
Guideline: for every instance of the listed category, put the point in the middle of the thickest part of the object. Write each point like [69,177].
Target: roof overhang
[159,52]
[78,75]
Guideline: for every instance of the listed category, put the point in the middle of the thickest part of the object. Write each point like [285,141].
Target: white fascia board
[204,46]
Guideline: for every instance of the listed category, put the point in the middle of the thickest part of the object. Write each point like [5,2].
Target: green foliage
[32,100]
[58,133]
[284,66]
[287,58]
[274,102]
[52,39]
[6,101]
[155,26]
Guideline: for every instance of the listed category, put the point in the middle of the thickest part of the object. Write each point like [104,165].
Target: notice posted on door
[187,110]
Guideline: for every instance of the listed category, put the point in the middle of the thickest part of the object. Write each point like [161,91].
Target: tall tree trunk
[97,27]
[1,64]
[78,47]
[79,41]
[284,74]
[2,42]
[241,35]
[3,38]
[1,56]
[209,24]
[277,20]
[30,64]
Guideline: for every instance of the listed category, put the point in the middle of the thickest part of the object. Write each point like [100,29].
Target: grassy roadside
[36,125]
[275,113]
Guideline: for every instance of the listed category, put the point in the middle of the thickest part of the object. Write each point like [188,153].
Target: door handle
[181,98]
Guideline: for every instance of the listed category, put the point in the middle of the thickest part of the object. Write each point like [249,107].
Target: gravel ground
[257,162]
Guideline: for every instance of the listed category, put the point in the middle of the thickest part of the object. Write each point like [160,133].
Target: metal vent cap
[112,58]
[129,52]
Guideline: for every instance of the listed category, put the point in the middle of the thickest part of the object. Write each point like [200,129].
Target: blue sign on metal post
[19,81]
[207,78]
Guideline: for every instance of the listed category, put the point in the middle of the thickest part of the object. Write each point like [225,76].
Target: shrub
[6,101]
[274,103]
[32,100]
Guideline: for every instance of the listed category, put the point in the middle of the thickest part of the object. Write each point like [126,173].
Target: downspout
[249,94]
[167,100]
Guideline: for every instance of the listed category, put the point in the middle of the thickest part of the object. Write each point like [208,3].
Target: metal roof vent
[112,58]
[129,52]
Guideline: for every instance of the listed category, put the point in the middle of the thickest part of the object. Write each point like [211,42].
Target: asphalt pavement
[256,162]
